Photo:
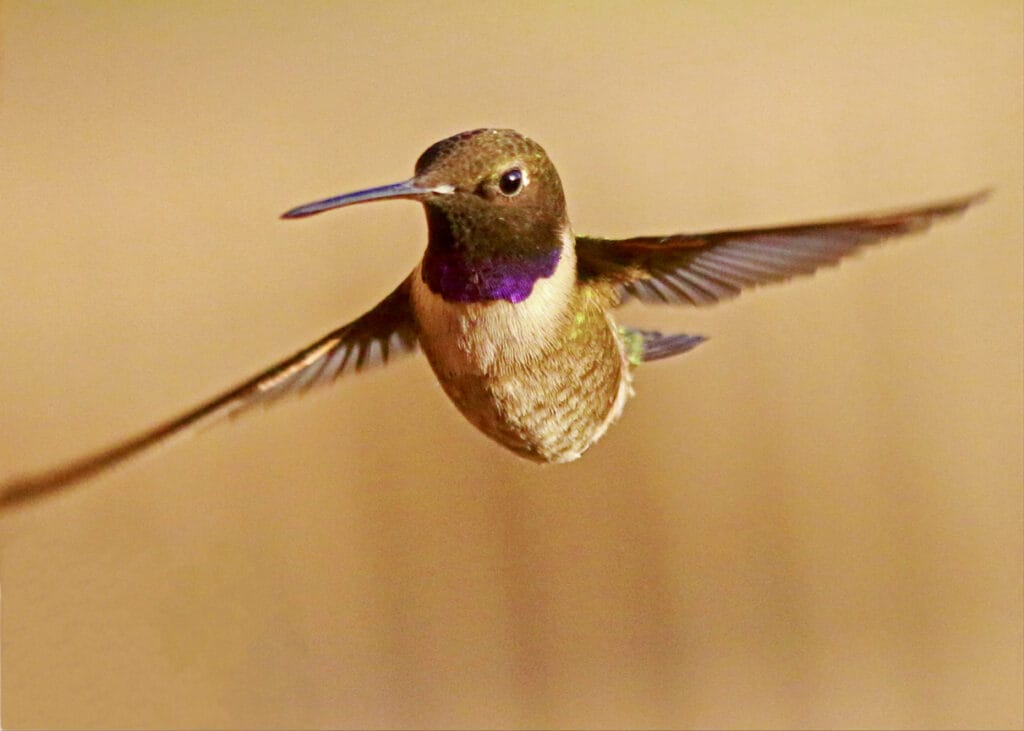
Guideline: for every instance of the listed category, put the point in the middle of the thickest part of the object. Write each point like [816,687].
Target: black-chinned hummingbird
[514,311]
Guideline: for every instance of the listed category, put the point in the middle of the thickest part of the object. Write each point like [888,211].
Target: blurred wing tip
[961,204]
[979,196]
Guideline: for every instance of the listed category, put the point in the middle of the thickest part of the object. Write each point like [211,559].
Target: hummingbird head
[495,213]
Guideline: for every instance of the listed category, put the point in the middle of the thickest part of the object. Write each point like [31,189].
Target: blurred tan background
[814,520]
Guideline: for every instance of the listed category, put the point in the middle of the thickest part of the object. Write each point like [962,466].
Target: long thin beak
[405,189]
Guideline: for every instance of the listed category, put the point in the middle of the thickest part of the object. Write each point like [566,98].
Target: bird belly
[544,377]
[552,411]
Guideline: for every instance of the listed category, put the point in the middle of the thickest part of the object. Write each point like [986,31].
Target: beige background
[813,520]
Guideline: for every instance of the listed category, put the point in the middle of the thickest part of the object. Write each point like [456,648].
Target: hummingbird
[514,312]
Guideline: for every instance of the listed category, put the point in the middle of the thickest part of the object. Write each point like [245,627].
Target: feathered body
[544,377]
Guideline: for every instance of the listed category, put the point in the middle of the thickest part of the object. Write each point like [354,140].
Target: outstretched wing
[702,269]
[388,329]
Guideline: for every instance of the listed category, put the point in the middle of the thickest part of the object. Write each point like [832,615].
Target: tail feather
[647,345]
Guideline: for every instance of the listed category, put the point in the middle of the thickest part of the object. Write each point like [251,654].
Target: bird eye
[511,181]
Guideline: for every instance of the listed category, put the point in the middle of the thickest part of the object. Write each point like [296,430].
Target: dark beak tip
[405,189]
[303,211]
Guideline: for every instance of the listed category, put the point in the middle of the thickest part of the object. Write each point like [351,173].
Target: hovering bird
[514,311]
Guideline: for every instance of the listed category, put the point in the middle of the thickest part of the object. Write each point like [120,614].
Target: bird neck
[473,265]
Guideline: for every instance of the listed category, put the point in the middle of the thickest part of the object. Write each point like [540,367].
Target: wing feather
[702,269]
[388,329]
